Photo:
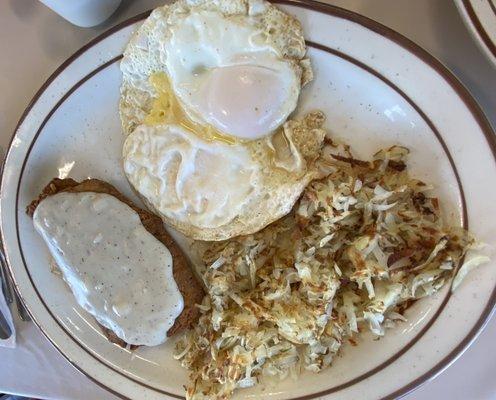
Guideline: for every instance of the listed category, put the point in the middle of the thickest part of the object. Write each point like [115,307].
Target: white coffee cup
[84,13]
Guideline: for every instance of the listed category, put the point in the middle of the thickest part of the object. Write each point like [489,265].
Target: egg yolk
[167,110]
[247,101]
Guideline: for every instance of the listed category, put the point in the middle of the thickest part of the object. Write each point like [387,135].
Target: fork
[4,276]
[7,288]
[5,331]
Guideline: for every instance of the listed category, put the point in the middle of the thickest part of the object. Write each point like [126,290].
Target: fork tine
[7,291]
[4,277]
[21,310]
[23,314]
[5,330]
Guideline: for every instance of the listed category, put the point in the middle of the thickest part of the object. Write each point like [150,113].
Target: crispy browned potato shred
[360,246]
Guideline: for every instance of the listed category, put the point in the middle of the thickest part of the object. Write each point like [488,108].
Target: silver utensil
[7,288]
[3,262]
[4,276]
[5,331]
[21,309]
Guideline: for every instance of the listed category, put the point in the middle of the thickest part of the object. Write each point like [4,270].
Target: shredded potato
[359,247]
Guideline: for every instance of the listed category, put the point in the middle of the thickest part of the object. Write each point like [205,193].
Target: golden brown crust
[112,337]
[187,283]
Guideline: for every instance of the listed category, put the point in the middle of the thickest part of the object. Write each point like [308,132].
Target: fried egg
[208,87]
[227,76]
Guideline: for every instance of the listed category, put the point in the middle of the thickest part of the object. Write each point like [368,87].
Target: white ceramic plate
[377,88]
[480,18]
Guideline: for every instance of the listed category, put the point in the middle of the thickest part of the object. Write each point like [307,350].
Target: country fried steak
[189,286]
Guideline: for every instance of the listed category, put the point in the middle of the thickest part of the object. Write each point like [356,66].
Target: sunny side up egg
[228,76]
[207,90]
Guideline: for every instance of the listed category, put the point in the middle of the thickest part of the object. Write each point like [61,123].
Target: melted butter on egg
[166,109]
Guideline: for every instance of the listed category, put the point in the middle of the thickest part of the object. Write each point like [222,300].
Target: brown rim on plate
[479,28]
[397,38]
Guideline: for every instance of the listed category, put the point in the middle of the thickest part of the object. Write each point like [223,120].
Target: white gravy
[118,271]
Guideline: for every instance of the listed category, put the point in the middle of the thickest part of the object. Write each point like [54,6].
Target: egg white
[208,183]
